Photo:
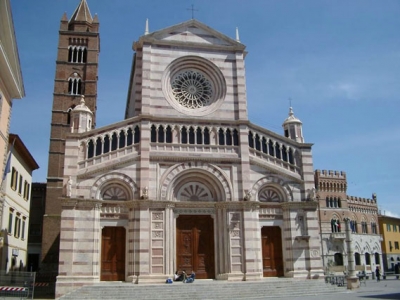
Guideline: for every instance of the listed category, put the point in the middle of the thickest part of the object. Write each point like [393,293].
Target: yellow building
[389,227]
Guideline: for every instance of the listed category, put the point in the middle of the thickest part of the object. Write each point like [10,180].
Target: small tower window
[77,54]
[74,85]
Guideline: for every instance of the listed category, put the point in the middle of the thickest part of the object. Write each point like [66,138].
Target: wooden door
[113,254]
[272,251]
[195,245]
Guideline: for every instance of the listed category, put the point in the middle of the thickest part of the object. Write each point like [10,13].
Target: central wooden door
[272,251]
[113,254]
[195,245]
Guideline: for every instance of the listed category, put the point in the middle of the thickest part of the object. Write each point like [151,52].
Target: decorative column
[352,279]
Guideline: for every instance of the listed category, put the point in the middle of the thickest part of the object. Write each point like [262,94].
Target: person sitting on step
[191,277]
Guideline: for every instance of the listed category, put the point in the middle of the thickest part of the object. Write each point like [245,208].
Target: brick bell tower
[76,75]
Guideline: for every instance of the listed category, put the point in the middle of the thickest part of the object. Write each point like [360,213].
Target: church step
[206,290]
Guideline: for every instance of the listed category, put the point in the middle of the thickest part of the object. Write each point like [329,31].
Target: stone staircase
[207,289]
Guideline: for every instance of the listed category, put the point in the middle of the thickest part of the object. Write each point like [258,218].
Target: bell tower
[75,76]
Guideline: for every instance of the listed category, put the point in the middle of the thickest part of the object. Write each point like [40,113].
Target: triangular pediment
[193,32]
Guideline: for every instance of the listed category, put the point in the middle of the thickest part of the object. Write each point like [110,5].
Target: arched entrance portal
[195,245]
[271,239]
[113,254]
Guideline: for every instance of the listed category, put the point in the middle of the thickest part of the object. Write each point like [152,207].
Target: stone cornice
[300,205]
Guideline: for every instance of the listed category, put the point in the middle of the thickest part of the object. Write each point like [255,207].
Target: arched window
[74,86]
[77,54]
[114,142]
[338,259]
[199,136]
[228,137]
[327,202]
[191,135]
[129,138]
[357,259]
[153,134]
[106,147]
[137,135]
[99,145]
[367,258]
[90,149]
[161,134]
[122,139]
[335,225]
[184,138]
[258,143]
[251,141]
[377,259]
[235,137]
[206,136]
[221,137]
[168,134]
[264,148]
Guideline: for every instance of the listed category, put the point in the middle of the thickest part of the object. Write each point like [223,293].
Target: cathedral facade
[185,181]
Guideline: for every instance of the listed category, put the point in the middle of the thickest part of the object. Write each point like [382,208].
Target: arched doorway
[113,254]
[271,239]
[195,245]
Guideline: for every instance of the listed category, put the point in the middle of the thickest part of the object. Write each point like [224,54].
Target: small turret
[82,118]
[293,127]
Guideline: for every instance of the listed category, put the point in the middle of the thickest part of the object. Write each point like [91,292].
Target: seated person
[191,277]
[178,276]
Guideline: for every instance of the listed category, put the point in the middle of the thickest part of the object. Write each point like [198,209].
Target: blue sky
[339,62]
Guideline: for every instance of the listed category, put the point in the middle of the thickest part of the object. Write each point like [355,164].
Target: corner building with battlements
[185,181]
[335,206]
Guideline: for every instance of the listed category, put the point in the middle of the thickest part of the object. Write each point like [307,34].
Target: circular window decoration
[192,89]
[269,196]
[115,193]
[194,86]
[194,191]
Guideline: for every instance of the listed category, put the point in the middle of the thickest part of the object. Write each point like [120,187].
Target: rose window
[192,89]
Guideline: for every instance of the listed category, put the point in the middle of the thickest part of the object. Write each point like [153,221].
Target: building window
[338,259]
[20,185]
[377,259]
[353,226]
[388,227]
[364,227]
[367,258]
[396,245]
[394,228]
[390,246]
[23,228]
[14,179]
[77,54]
[10,221]
[335,225]
[357,259]
[26,190]
[17,227]
[374,228]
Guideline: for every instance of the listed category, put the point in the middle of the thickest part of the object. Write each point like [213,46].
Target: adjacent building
[16,188]
[334,207]
[390,230]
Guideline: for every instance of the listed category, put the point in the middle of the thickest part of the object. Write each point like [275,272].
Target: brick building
[334,206]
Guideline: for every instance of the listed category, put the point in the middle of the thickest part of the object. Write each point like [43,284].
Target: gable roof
[191,32]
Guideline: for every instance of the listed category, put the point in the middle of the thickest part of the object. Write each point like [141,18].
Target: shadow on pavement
[395,296]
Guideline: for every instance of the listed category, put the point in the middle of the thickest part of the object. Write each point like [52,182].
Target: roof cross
[193,10]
